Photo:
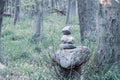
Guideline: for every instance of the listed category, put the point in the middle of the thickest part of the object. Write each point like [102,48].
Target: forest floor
[26,60]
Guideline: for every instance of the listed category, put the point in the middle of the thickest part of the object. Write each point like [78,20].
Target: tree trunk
[17,11]
[74,10]
[87,12]
[2,2]
[52,3]
[38,27]
[108,50]
[68,12]
[59,4]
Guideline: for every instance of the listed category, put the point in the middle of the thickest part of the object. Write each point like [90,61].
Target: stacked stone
[69,56]
[67,41]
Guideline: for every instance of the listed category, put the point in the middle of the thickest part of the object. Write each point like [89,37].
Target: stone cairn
[67,41]
[70,57]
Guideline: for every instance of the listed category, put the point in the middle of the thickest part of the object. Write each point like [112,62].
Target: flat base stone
[69,58]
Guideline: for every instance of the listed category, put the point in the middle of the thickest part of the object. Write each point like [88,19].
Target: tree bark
[108,50]
[74,10]
[17,11]
[87,12]
[52,3]
[2,2]
[68,12]
[38,27]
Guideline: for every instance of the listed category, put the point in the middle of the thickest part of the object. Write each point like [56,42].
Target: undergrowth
[28,61]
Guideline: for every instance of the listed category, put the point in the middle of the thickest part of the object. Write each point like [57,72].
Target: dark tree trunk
[8,8]
[68,12]
[2,2]
[38,27]
[87,11]
[74,10]
[17,11]
[59,4]
[52,3]
[108,51]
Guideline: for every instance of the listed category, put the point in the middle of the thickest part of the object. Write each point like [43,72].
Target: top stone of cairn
[66,30]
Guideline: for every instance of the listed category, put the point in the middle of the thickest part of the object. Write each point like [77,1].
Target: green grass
[29,61]
[26,60]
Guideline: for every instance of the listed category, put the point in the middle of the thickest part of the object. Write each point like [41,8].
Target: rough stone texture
[66,30]
[69,58]
[2,66]
[1,78]
[67,39]
[67,46]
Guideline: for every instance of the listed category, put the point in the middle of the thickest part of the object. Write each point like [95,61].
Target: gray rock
[67,46]
[66,30]
[72,57]
[2,66]
[67,39]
